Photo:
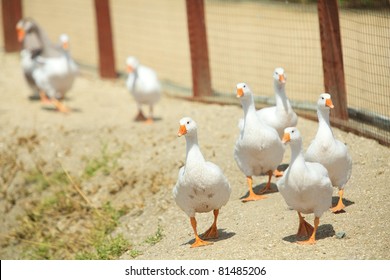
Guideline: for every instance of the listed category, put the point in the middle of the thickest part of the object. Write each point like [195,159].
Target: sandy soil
[147,165]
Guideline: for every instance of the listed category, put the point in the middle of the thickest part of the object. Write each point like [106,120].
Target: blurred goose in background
[55,75]
[201,185]
[258,149]
[144,85]
[27,32]
[73,68]
[329,151]
[51,73]
[305,186]
[281,115]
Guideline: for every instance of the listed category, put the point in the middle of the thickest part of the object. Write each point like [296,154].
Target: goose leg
[212,232]
[140,117]
[252,196]
[304,229]
[60,107]
[312,239]
[268,186]
[150,118]
[43,97]
[340,205]
[198,241]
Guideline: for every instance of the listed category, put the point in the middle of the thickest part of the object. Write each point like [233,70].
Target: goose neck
[248,105]
[323,122]
[280,97]
[193,153]
[297,157]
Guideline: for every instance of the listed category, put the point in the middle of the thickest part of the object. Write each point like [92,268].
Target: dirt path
[147,162]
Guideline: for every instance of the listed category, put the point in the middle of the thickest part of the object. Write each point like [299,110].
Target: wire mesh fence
[247,39]
[366,49]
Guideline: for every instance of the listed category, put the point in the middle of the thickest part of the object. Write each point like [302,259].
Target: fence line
[246,40]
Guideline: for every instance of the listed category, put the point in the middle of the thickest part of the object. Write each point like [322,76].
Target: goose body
[201,185]
[305,186]
[52,70]
[144,85]
[55,75]
[282,115]
[258,148]
[329,151]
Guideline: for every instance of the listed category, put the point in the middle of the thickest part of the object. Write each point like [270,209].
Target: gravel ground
[149,159]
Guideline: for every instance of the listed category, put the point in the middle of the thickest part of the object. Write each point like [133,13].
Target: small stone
[340,234]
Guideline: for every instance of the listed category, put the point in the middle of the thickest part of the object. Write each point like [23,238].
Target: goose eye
[292,131]
[244,86]
[322,98]
[188,122]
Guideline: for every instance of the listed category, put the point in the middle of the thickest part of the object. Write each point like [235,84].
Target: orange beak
[65,45]
[182,130]
[282,79]
[240,92]
[329,103]
[286,138]
[129,69]
[21,34]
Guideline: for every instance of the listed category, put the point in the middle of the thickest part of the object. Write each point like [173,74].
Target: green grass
[157,237]
[43,181]
[106,162]
[46,228]
[106,248]
[59,221]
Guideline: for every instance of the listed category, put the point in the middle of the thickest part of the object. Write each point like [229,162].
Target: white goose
[201,185]
[55,77]
[329,151]
[73,67]
[305,186]
[144,85]
[258,148]
[281,115]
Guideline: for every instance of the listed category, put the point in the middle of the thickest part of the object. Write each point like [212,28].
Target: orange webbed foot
[253,197]
[310,241]
[200,242]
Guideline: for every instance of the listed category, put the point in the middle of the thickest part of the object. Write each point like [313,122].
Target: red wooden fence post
[105,43]
[332,56]
[201,78]
[12,13]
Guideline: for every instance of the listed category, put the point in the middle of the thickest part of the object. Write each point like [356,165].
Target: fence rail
[202,48]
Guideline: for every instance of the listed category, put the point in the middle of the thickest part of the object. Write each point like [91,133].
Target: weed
[105,163]
[48,233]
[157,237]
[134,253]
[106,248]
[38,178]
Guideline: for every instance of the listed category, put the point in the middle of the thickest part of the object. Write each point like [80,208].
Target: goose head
[25,26]
[187,127]
[131,63]
[243,91]
[279,76]
[64,41]
[291,135]
[325,102]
